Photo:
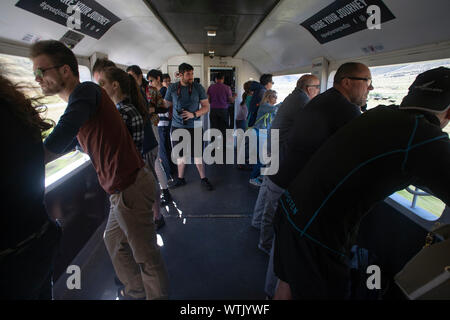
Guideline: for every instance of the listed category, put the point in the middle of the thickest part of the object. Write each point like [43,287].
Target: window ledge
[66,173]
[420,216]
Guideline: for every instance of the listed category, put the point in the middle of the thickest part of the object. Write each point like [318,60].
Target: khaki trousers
[130,239]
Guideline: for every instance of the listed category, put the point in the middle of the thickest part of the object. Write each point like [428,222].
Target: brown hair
[25,109]
[101,64]
[246,92]
[129,87]
[58,53]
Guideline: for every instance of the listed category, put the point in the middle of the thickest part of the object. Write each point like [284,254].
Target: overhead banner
[85,16]
[344,17]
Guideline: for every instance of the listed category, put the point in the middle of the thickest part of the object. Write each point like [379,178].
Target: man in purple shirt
[219,95]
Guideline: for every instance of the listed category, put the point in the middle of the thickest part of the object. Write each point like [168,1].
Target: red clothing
[109,144]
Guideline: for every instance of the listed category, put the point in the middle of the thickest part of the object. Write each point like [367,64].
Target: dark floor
[209,246]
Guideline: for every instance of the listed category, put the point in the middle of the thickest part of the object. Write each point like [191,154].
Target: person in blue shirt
[185,96]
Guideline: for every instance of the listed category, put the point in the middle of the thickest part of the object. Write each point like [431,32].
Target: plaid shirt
[133,121]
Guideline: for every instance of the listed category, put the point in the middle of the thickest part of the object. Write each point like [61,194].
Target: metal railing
[417,194]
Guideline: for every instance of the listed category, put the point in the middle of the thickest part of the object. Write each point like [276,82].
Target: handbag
[427,275]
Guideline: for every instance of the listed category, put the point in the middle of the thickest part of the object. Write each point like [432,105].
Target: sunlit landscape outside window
[20,70]
[284,85]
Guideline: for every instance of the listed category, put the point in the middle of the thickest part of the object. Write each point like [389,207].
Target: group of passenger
[307,213]
[119,122]
[256,112]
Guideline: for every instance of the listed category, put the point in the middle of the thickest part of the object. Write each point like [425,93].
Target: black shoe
[178,183]
[160,222]
[166,198]
[206,184]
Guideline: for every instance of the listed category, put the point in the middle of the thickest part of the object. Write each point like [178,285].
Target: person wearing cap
[185,96]
[383,151]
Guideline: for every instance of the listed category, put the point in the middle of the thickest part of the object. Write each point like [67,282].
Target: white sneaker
[255,182]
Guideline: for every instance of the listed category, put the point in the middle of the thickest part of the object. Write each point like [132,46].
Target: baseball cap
[430,91]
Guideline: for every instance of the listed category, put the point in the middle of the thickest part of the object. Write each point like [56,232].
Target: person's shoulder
[89,85]
[85,89]
[172,87]
[86,86]
[198,86]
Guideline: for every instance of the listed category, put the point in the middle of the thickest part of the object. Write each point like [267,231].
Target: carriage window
[284,85]
[20,70]
[391,84]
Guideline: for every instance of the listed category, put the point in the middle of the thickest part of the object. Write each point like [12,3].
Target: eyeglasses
[313,85]
[39,73]
[368,80]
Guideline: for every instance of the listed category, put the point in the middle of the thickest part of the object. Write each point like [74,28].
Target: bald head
[347,70]
[310,84]
[354,81]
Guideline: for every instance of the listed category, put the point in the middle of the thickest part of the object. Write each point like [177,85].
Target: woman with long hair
[123,90]
[241,117]
[241,123]
[29,238]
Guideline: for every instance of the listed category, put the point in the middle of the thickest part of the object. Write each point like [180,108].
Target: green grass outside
[54,166]
[429,203]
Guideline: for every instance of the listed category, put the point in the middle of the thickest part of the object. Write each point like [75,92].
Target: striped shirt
[133,121]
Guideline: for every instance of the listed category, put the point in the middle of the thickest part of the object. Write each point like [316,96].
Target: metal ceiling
[233,20]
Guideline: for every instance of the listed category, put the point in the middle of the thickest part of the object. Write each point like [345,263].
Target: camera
[180,112]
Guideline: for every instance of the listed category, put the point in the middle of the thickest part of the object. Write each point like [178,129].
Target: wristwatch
[195,116]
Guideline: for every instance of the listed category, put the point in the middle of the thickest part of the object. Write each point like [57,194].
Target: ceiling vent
[71,38]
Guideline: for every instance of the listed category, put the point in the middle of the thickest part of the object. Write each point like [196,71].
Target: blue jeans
[256,168]
[165,149]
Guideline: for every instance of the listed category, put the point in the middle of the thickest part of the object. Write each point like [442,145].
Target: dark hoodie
[258,92]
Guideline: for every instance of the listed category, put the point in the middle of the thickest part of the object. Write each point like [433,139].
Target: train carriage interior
[208,244]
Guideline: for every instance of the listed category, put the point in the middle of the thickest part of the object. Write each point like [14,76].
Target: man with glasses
[320,119]
[373,156]
[308,86]
[92,119]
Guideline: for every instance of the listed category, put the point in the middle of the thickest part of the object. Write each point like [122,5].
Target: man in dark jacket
[258,89]
[319,119]
[383,151]
[306,89]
